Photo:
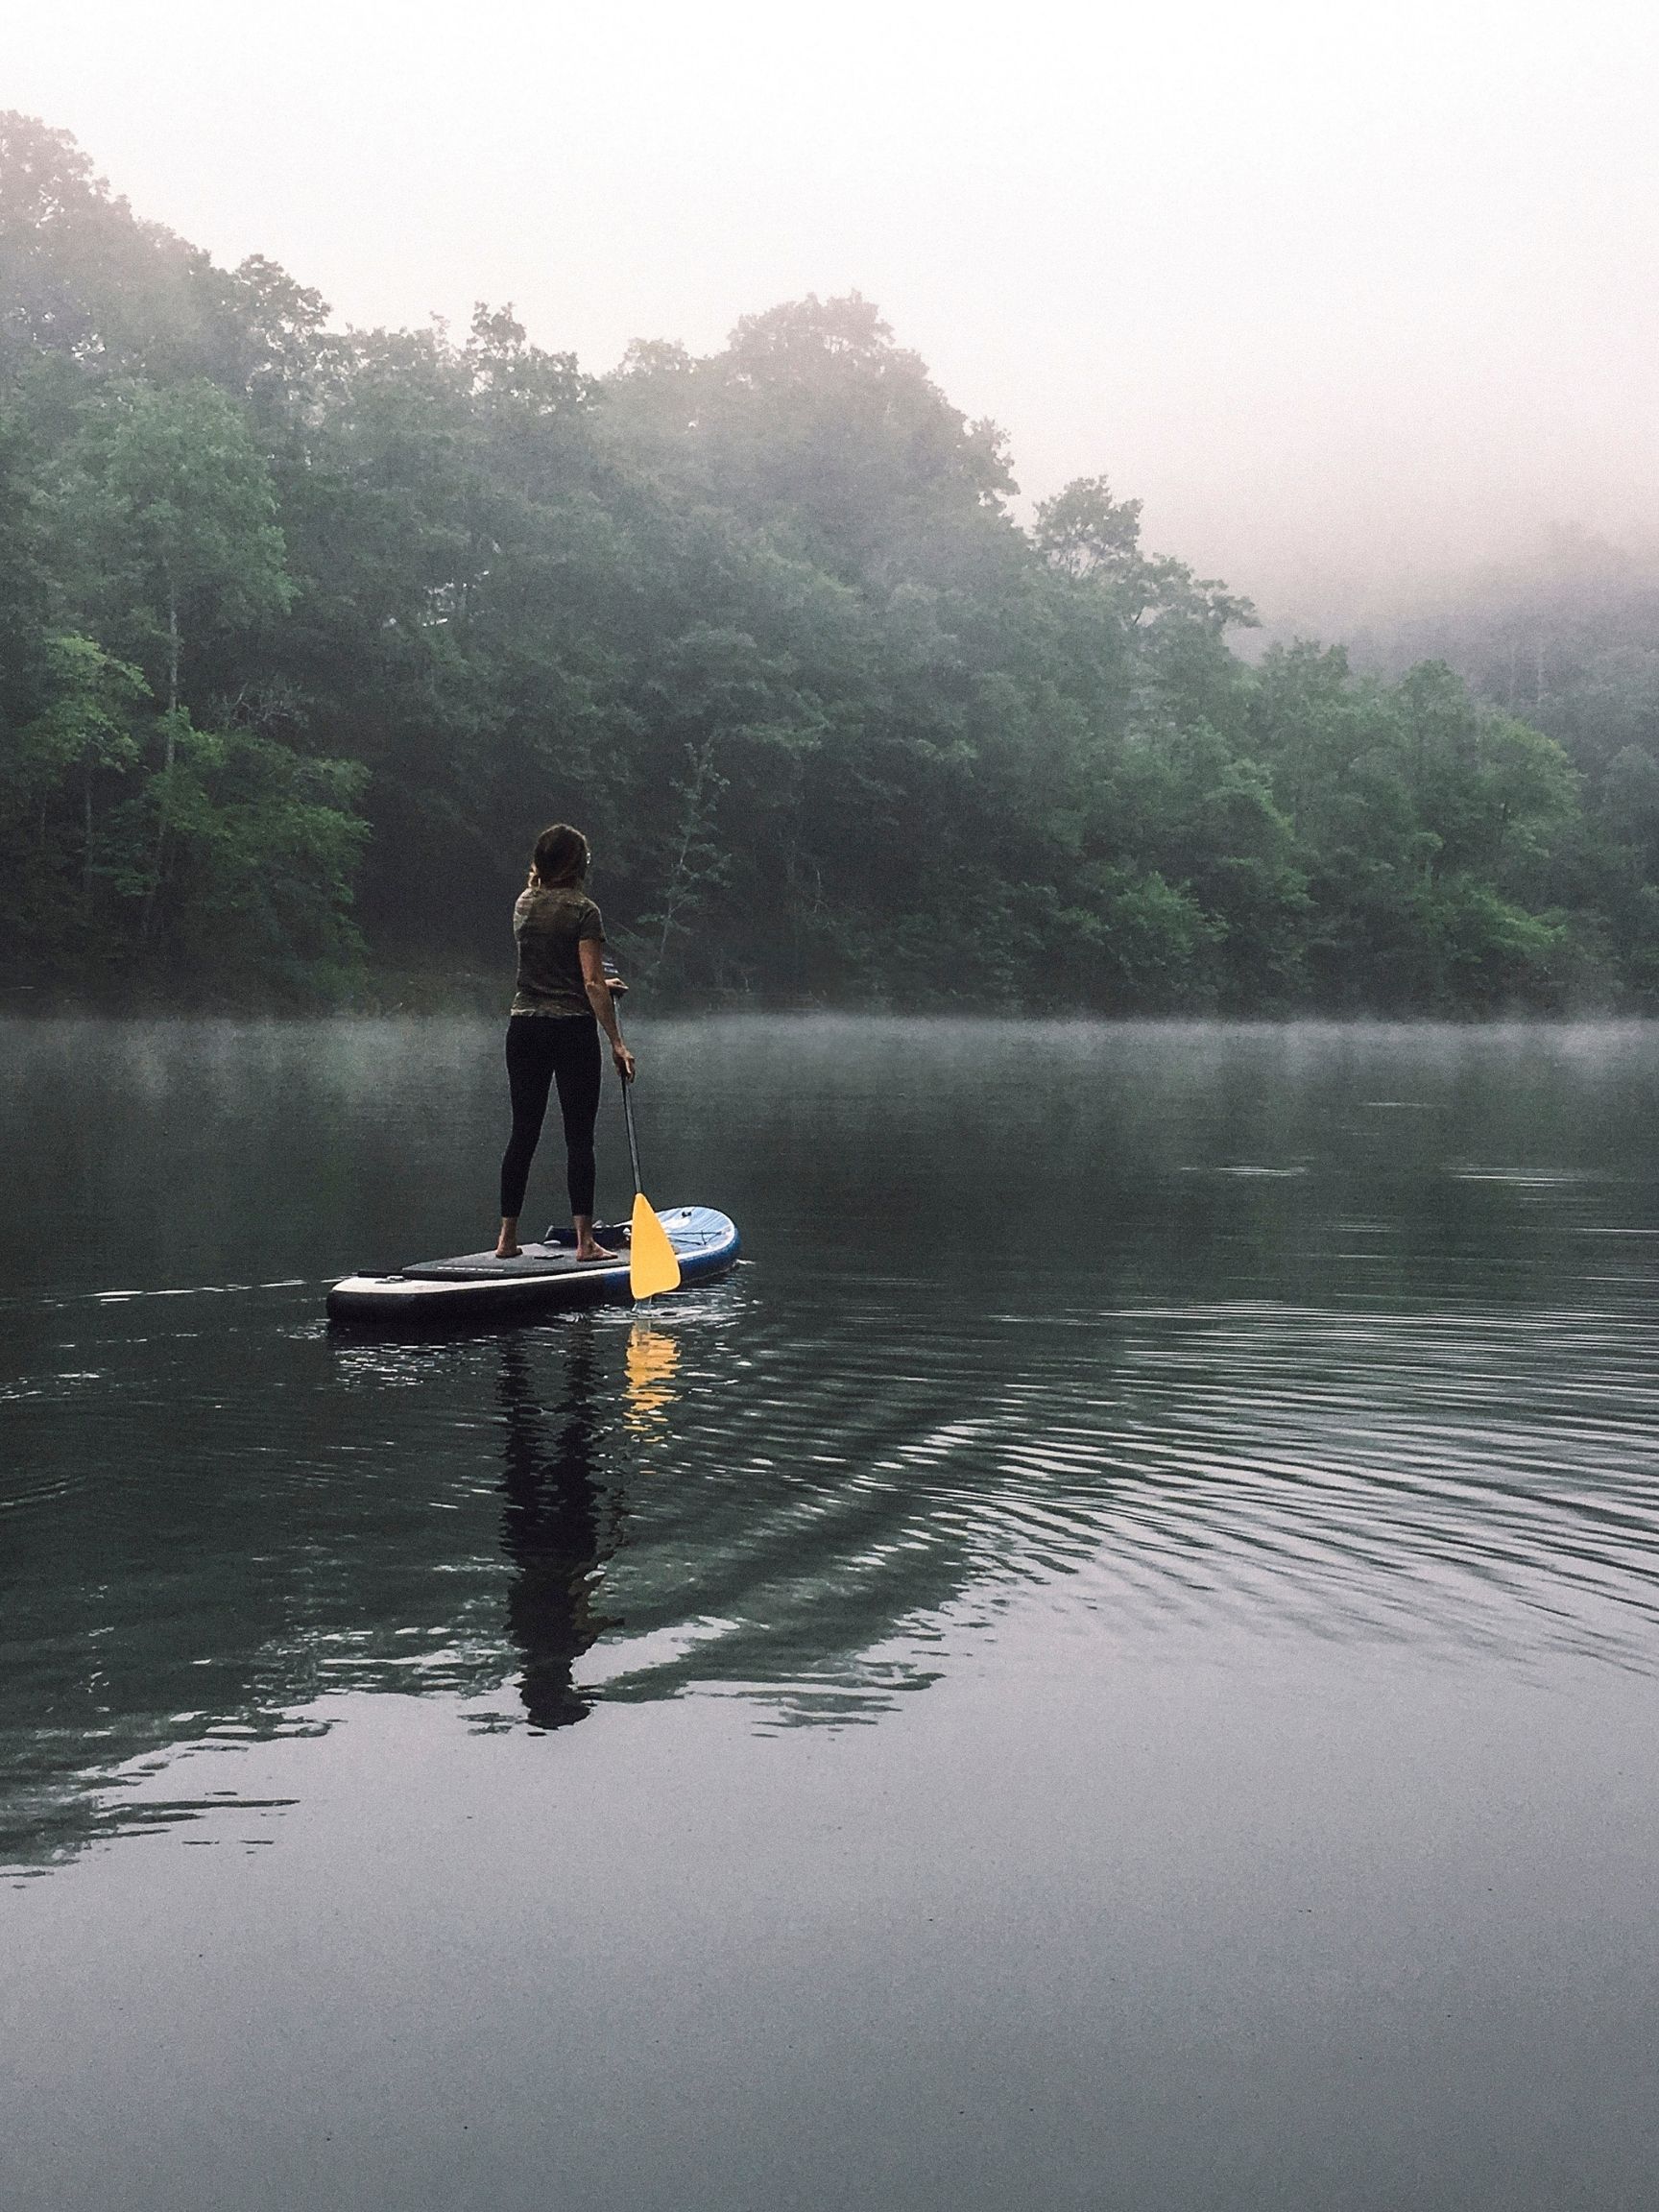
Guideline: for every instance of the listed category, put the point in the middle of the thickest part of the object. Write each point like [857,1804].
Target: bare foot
[592,1251]
[509,1251]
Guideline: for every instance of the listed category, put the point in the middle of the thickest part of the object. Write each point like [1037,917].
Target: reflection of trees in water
[338,1528]
[232,1525]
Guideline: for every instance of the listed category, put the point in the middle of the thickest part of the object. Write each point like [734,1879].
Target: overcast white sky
[1345,292]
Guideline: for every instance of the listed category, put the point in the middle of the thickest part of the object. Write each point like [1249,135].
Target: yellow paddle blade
[652,1265]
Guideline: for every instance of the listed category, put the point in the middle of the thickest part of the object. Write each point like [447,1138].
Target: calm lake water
[1112,1664]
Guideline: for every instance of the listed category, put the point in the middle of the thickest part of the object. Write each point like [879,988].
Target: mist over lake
[1110,1662]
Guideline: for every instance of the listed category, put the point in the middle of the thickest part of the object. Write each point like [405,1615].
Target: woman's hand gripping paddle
[652,1264]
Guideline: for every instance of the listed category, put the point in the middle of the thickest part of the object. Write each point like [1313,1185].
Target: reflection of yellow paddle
[652,1264]
[652,1358]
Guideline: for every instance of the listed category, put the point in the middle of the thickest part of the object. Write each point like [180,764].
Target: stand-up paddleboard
[543,1278]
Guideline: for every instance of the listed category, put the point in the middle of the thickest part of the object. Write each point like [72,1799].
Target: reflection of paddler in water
[551,1529]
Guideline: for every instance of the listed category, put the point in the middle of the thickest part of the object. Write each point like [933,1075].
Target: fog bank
[1350,298]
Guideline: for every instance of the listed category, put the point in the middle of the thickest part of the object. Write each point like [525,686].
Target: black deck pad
[612,1234]
[533,1260]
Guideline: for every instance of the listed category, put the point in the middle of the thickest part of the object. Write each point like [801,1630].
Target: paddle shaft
[633,1142]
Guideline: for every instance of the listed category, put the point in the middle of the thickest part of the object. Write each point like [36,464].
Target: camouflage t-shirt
[548,926]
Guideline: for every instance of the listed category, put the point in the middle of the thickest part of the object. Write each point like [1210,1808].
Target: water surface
[1111,1662]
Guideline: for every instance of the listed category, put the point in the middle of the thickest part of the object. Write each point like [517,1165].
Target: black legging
[543,1048]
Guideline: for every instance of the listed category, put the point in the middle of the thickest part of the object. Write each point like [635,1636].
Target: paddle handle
[633,1142]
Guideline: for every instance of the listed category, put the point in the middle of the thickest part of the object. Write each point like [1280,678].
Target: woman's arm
[592,954]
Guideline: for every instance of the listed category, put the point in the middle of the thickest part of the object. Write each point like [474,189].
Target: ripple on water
[1488,1479]
[820,1490]
[1216,1407]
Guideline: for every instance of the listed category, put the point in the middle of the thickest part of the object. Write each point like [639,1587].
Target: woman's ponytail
[561,858]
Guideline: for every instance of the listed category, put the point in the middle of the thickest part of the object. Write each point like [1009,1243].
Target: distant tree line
[1568,638]
[304,635]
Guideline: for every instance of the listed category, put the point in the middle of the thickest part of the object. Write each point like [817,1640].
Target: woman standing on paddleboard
[561,1003]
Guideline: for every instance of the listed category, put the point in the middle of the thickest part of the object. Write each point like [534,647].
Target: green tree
[191,498]
[84,280]
[305,631]
[58,773]
[187,496]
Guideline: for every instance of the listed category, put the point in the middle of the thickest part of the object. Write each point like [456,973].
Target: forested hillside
[1570,639]
[304,635]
